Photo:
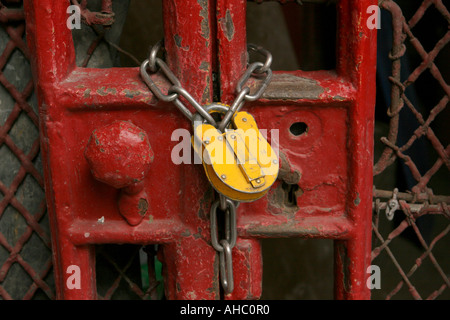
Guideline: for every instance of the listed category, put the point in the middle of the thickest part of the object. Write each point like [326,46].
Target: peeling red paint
[227,25]
[331,163]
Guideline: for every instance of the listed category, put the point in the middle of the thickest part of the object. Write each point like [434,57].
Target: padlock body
[239,162]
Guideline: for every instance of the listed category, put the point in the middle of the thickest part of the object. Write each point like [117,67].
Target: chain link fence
[411,171]
[416,145]
[25,246]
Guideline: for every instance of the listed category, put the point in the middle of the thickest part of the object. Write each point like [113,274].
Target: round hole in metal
[298,128]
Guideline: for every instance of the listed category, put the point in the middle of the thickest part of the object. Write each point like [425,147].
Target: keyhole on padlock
[291,192]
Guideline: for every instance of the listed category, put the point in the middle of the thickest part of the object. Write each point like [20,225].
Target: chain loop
[224,246]
[265,53]
[246,76]
[180,105]
[201,110]
[230,223]
[223,202]
[227,206]
[153,53]
[152,86]
[243,91]
[235,107]
[153,63]
[226,267]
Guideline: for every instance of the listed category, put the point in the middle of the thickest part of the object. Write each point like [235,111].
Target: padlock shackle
[210,108]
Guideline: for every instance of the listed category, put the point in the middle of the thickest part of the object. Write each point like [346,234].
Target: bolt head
[119,154]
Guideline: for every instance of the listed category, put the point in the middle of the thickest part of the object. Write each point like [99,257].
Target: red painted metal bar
[188,42]
[357,60]
[52,61]
[348,217]
[335,197]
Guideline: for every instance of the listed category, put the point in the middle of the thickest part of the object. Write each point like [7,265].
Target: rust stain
[97,142]
[205,203]
[148,100]
[87,93]
[131,93]
[228,25]
[287,174]
[178,42]
[205,21]
[283,198]
[357,200]
[215,285]
[186,233]
[204,66]
[198,235]
[289,229]
[207,92]
[338,98]
[105,91]
[345,263]
[142,206]
[287,86]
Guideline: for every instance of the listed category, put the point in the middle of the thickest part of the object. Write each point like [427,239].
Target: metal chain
[224,246]
[227,206]
[153,64]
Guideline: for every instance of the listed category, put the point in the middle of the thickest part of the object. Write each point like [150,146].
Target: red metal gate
[330,167]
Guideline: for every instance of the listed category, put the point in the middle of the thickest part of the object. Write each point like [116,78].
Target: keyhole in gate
[298,128]
[291,193]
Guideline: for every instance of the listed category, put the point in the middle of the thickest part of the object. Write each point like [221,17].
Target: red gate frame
[334,159]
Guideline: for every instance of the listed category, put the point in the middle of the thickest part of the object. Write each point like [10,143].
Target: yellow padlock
[239,163]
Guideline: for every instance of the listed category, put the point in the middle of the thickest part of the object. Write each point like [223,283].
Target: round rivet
[244,119]
[206,141]
[223,176]
[258,181]
[275,161]
[233,136]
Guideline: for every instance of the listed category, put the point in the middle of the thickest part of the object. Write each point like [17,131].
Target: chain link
[185,94]
[153,55]
[226,267]
[253,68]
[224,246]
[235,107]
[227,206]
[230,224]
[154,64]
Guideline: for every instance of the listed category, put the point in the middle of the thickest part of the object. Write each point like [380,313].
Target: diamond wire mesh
[25,248]
[419,215]
[25,245]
